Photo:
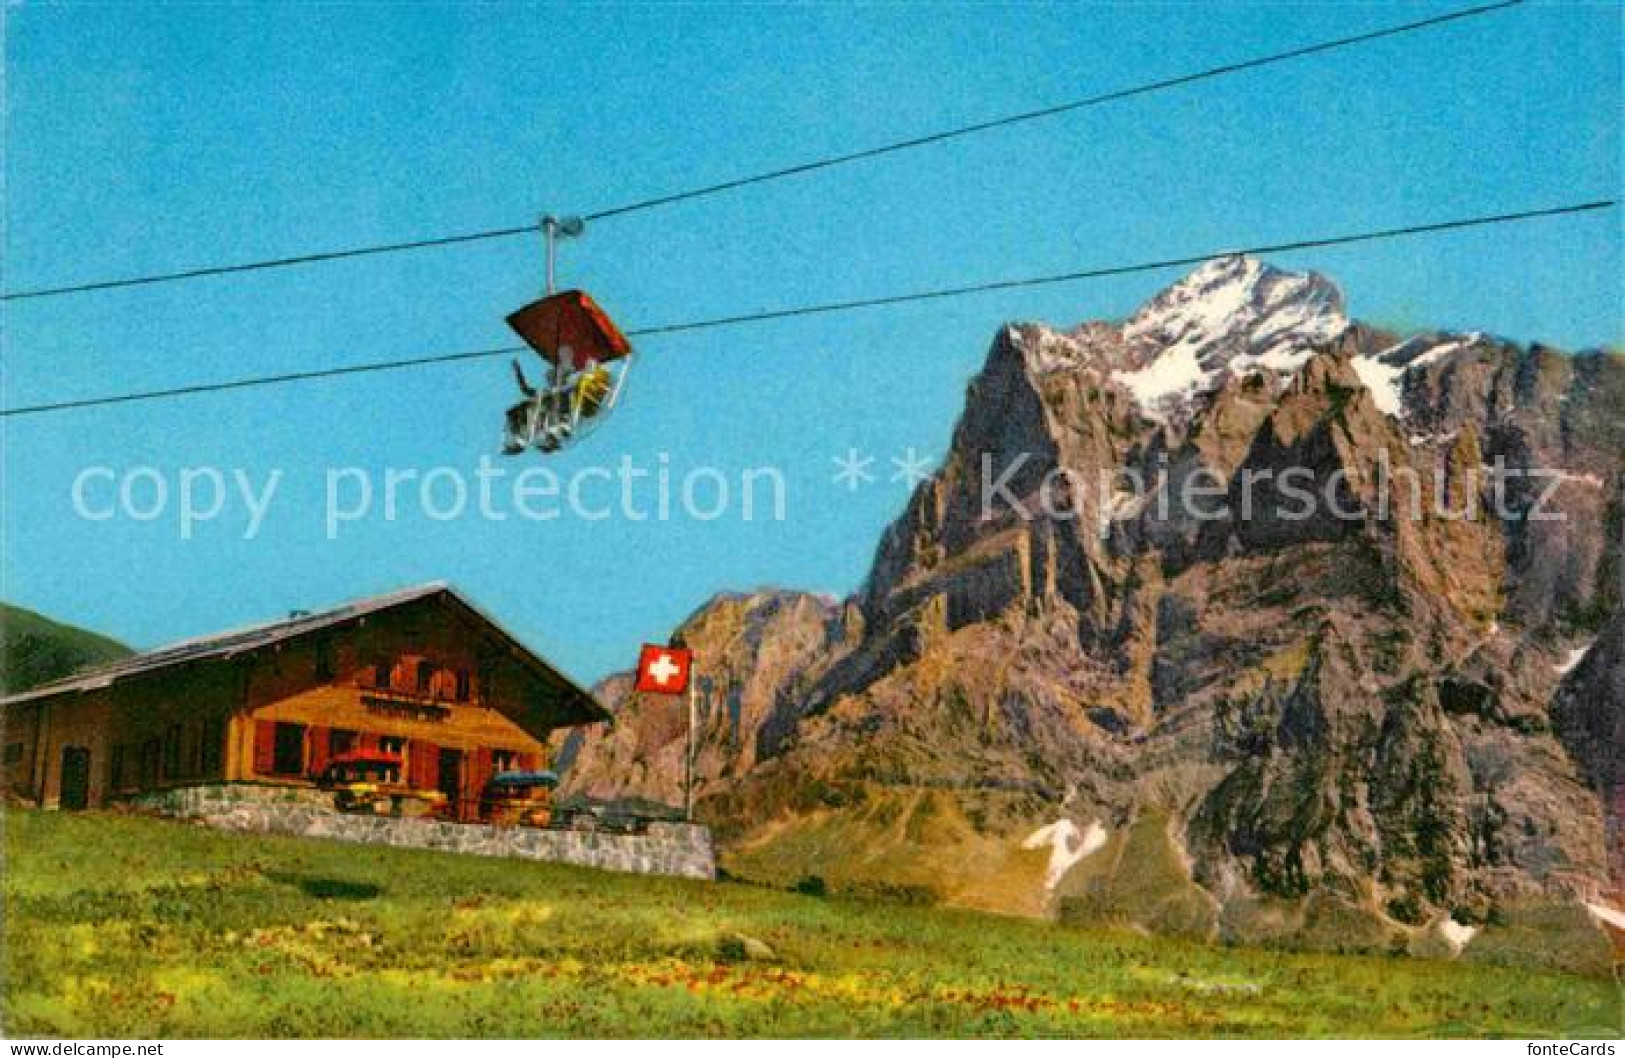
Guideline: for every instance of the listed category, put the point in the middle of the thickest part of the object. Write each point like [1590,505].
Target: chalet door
[450,780]
[75,778]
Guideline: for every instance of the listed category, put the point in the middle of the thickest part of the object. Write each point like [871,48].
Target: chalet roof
[578,705]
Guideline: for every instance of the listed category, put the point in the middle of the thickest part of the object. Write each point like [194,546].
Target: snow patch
[1455,934]
[1383,380]
[1174,373]
[1384,373]
[1067,846]
[1438,352]
[1571,660]
[1609,915]
[1285,357]
[1419,439]
[1569,476]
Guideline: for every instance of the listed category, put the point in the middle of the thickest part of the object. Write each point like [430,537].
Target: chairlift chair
[587,357]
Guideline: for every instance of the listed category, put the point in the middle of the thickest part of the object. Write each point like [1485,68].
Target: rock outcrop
[1589,715]
[1320,624]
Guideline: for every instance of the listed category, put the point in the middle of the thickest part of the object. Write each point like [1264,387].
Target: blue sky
[144,142]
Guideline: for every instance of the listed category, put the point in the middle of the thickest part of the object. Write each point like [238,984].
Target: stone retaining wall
[681,849]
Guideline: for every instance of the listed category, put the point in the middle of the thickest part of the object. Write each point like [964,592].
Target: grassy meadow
[126,927]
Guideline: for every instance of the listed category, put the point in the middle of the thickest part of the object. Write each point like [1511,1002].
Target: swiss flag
[663,670]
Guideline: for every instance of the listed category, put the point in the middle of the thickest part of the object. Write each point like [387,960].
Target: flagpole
[688,757]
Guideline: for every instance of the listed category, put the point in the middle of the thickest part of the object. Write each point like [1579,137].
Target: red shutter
[319,745]
[264,747]
[526,762]
[366,742]
[425,765]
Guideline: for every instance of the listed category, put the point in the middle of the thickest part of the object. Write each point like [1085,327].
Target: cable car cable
[778,174]
[1051,111]
[830,307]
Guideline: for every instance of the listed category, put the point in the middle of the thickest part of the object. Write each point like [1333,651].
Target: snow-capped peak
[1233,315]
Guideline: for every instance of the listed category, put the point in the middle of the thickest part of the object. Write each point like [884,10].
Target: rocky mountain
[1237,618]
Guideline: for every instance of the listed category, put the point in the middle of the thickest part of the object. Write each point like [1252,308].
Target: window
[324,659]
[464,690]
[504,760]
[340,742]
[289,753]
[116,779]
[424,677]
[393,746]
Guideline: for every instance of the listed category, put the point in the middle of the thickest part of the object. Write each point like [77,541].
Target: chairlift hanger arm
[555,229]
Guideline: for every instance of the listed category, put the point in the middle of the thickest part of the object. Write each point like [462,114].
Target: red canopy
[571,321]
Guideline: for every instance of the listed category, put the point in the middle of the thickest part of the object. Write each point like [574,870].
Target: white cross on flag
[663,670]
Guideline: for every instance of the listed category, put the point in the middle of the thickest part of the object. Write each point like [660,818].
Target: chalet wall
[679,849]
[469,697]
[80,722]
[465,727]
[397,639]
[165,729]
[469,729]
[84,727]
[19,730]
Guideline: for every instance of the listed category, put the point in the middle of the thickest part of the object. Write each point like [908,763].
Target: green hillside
[124,927]
[36,650]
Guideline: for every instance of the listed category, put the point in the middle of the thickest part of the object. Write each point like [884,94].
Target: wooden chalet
[421,674]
